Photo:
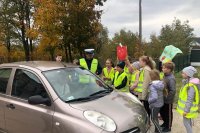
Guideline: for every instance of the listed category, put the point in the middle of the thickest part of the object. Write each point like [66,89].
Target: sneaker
[166,130]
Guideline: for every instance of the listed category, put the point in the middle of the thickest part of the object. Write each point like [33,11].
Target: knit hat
[121,64]
[136,65]
[190,71]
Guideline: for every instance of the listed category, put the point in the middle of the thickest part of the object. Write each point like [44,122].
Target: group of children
[156,89]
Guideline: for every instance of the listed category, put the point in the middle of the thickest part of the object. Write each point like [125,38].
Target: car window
[74,83]
[4,77]
[27,84]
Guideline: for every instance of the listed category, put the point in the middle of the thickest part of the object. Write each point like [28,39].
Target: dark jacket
[170,82]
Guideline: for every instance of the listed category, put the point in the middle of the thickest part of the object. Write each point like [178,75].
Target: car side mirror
[35,100]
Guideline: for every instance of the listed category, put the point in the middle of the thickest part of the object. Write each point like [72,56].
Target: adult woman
[147,65]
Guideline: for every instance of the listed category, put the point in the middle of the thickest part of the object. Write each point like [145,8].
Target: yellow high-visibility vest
[93,69]
[109,74]
[183,95]
[127,73]
[140,83]
[94,65]
[133,77]
[118,81]
[162,75]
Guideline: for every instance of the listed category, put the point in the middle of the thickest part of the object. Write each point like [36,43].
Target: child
[58,58]
[120,81]
[170,91]
[144,80]
[134,70]
[155,99]
[108,72]
[188,102]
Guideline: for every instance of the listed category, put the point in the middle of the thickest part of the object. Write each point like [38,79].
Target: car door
[4,78]
[20,116]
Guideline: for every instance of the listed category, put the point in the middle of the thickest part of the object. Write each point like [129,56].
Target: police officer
[90,63]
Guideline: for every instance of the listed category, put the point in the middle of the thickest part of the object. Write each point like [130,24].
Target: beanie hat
[136,65]
[190,71]
[121,64]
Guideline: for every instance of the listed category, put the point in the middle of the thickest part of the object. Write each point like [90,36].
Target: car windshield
[73,84]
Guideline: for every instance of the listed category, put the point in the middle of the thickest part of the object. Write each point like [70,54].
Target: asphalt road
[178,126]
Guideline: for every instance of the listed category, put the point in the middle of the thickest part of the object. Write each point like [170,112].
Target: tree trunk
[66,54]
[31,49]
[70,53]
[25,42]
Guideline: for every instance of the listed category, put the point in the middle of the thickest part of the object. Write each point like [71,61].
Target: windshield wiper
[102,92]
[80,99]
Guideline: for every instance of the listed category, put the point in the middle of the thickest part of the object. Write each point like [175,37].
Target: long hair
[148,60]
[155,75]
[112,64]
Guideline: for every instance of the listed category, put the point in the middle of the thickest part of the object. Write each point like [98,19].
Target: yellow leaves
[32,33]
[47,24]
[3,50]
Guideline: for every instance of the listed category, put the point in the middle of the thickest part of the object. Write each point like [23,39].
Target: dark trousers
[146,106]
[154,118]
[167,115]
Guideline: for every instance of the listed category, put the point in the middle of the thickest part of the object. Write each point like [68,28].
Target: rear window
[4,77]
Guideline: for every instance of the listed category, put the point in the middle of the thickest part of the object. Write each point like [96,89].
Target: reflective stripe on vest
[127,73]
[140,83]
[118,81]
[183,95]
[94,65]
[133,78]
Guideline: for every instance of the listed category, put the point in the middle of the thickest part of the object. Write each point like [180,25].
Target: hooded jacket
[191,92]
[156,98]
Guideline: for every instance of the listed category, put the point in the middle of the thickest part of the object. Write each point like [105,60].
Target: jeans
[188,124]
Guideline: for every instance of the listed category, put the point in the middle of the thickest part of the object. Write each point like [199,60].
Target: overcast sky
[120,14]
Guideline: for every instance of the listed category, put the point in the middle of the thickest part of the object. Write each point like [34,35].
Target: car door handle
[10,106]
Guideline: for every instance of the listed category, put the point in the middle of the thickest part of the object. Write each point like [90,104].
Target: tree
[7,32]
[47,29]
[81,26]
[70,25]
[126,38]
[177,34]
[16,16]
[23,17]
[154,48]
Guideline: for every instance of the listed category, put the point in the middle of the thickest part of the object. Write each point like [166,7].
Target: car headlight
[134,98]
[100,120]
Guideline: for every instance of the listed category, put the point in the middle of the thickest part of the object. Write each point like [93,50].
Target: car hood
[124,110]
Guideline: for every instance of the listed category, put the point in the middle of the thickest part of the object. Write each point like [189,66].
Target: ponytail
[149,61]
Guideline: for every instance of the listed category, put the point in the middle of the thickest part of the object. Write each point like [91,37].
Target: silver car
[52,97]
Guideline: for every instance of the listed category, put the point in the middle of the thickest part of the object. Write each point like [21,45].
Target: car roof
[41,65]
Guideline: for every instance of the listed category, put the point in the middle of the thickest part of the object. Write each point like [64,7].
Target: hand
[184,114]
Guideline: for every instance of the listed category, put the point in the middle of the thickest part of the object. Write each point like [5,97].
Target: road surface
[178,126]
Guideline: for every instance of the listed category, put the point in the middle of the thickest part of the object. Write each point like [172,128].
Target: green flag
[169,53]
